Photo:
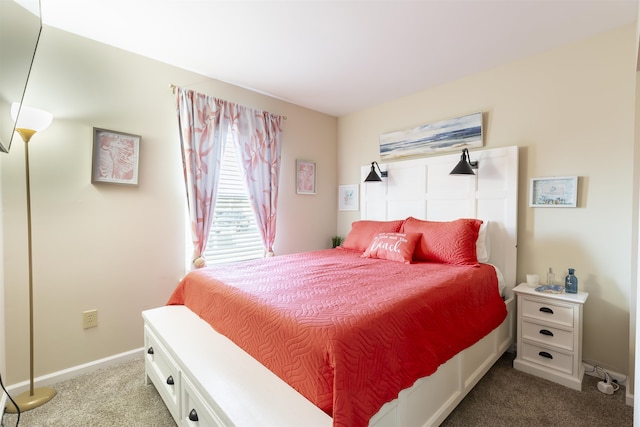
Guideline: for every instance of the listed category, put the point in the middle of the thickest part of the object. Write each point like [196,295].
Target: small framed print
[348,197]
[554,192]
[305,177]
[115,157]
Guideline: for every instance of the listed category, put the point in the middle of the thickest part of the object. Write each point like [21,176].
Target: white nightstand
[550,335]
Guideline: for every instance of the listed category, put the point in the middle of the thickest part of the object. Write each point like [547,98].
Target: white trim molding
[76,371]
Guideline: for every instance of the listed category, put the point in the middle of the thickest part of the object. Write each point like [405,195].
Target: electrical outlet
[89,319]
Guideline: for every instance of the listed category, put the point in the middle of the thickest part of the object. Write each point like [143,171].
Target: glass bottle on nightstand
[571,282]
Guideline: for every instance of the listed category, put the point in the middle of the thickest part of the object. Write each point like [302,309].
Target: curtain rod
[174,87]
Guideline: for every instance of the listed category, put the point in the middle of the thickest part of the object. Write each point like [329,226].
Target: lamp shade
[373,176]
[464,167]
[30,118]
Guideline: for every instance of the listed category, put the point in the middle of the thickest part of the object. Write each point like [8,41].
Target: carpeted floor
[507,397]
[112,397]
[118,397]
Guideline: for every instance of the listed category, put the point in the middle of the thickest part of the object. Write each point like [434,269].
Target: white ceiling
[337,56]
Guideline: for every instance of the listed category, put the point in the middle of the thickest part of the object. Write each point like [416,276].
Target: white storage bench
[205,380]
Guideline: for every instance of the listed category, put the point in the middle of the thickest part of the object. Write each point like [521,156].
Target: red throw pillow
[393,247]
[362,233]
[452,242]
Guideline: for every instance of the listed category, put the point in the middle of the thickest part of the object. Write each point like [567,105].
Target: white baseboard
[66,374]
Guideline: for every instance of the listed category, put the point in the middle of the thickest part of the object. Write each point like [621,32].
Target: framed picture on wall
[444,135]
[115,157]
[554,192]
[348,199]
[305,177]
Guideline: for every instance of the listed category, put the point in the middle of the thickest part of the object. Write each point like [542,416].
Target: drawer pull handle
[193,415]
[546,332]
[150,351]
[546,310]
[170,380]
[545,354]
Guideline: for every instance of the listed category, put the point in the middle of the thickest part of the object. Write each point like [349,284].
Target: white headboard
[423,188]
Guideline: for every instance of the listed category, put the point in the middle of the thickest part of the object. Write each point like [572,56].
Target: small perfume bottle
[550,277]
[571,283]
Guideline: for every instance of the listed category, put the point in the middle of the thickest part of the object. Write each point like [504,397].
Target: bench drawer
[162,370]
[195,412]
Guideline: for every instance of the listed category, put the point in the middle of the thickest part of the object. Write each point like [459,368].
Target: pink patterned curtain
[203,132]
[204,122]
[258,139]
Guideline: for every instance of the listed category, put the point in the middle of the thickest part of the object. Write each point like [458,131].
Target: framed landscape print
[445,135]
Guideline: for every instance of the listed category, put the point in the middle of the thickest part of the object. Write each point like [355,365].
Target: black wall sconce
[464,166]
[373,176]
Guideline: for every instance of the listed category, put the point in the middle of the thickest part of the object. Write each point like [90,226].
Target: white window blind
[234,235]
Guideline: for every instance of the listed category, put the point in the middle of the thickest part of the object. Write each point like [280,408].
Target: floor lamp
[30,121]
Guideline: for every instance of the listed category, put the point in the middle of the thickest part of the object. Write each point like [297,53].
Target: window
[234,235]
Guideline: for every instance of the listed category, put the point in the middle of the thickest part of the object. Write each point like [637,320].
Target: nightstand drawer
[547,335]
[549,312]
[549,358]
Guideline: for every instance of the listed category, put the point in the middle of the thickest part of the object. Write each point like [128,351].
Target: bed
[388,329]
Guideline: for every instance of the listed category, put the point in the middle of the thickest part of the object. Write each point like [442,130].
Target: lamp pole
[34,397]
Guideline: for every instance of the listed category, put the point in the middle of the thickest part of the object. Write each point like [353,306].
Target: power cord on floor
[607,385]
[12,401]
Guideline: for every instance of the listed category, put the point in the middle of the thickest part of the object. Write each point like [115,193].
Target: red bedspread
[347,332]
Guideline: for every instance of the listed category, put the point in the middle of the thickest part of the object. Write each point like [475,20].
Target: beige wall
[121,249]
[571,112]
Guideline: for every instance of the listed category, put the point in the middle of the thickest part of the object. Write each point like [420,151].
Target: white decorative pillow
[483,248]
